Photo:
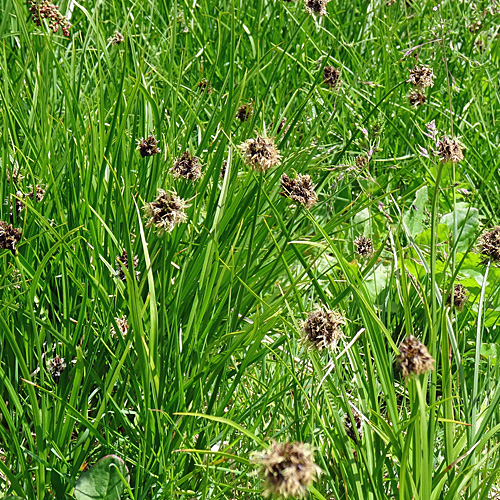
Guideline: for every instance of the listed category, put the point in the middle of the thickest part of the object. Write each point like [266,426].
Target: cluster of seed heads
[187,166]
[300,189]
[287,469]
[117,38]
[9,237]
[45,9]
[148,146]
[323,329]
[450,150]
[245,112]
[414,358]
[14,175]
[331,77]
[459,297]
[420,77]
[205,86]
[165,212]
[56,366]
[122,260]
[281,126]
[260,153]
[36,194]
[364,246]
[123,327]
[417,98]
[316,6]
[355,432]
[489,244]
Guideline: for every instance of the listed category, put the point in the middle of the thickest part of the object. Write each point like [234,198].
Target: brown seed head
[187,166]
[147,147]
[205,86]
[123,259]
[117,38]
[316,6]
[260,153]
[364,246]
[123,327]
[323,329]
[459,296]
[355,432]
[56,366]
[245,112]
[414,358]
[9,237]
[165,212]
[450,150]
[331,76]
[489,244]
[299,189]
[421,77]
[417,98]
[287,469]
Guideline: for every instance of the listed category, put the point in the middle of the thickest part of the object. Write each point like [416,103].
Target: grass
[212,368]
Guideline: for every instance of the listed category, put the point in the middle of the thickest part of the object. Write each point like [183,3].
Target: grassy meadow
[182,331]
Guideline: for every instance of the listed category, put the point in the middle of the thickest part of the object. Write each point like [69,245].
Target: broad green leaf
[414,215]
[467,220]
[425,237]
[102,481]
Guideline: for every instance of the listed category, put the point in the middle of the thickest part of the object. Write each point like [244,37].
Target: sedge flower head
[323,329]
[260,153]
[414,358]
[299,189]
[165,212]
[287,469]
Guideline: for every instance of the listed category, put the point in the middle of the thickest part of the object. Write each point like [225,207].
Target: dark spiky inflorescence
[123,260]
[316,6]
[148,146]
[56,366]
[245,112]
[261,153]
[421,77]
[355,432]
[287,469]
[414,358]
[489,244]
[45,9]
[364,246]
[450,150]
[331,76]
[417,98]
[9,237]
[205,86]
[323,329]
[187,166]
[299,189]
[123,327]
[459,297]
[116,39]
[165,212]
